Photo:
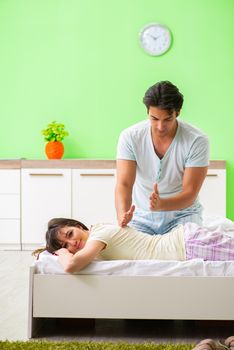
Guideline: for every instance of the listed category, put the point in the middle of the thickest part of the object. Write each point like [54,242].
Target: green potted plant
[54,134]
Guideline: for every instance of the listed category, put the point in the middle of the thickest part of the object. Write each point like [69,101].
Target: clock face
[155,39]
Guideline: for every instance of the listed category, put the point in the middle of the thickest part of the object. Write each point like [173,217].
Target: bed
[188,290]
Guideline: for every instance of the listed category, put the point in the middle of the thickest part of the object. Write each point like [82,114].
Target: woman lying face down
[76,245]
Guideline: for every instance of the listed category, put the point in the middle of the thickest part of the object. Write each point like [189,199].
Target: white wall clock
[155,39]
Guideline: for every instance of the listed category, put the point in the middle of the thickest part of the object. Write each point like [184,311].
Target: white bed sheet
[48,263]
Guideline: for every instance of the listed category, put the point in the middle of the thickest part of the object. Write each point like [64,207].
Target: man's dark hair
[164,95]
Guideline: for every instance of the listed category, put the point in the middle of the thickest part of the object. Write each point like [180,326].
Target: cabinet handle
[96,174]
[38,174]
[212,175]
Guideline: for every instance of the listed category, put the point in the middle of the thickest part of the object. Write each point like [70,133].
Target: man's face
[163,122]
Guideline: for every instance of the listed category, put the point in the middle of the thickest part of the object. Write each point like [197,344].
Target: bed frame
[128,297]
[135,297]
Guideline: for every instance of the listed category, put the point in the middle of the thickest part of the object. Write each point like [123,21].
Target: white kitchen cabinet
[46,193]
[88,196]
[10,209]
[213,193]
[93,195]
[31,196]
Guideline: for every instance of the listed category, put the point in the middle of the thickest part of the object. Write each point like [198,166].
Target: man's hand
[155,199]
[127,217]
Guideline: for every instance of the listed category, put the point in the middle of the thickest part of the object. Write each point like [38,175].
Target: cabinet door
[10,209]
[10,234]
[46,193]
[213,193]
[93,195]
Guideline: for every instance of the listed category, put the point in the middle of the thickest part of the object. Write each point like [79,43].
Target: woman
[76,245]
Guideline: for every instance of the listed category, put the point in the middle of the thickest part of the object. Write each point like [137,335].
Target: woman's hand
[63,252]
[75,262]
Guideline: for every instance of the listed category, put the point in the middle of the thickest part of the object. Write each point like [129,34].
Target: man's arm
[192,181]
[126,175]
[75,262]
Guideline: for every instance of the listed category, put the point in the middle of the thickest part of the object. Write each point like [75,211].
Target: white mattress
[48,263]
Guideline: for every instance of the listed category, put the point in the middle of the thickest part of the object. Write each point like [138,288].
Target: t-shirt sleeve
[199,153]
[125,148]
[98,235]
[103,233]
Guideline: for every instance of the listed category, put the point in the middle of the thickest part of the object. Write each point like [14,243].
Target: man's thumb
[132,209]
[156,188]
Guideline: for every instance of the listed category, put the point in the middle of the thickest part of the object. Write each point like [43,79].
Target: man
[161,165]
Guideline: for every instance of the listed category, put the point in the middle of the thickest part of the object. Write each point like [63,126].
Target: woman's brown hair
[54,225]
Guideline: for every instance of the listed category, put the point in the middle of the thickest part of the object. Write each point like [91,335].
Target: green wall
[79,62]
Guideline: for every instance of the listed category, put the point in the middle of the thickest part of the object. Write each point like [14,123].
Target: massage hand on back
[161,165]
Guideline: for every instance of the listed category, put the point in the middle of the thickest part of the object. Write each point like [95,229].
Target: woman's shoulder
[107,228]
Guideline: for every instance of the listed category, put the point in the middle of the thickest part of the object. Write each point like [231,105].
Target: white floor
[14,286]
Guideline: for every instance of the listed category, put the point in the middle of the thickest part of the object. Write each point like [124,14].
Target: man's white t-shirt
[189,148]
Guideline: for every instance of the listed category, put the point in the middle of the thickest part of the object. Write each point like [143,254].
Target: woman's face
[73,238]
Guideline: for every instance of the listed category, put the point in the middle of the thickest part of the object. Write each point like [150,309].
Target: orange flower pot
[54,150]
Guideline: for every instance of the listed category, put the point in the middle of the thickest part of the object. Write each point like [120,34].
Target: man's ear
[177,113]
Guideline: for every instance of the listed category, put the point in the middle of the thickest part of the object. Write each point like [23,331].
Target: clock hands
[154,37]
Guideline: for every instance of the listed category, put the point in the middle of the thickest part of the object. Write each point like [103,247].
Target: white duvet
[48,263]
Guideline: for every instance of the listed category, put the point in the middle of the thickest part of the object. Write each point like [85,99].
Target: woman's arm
[75,262]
